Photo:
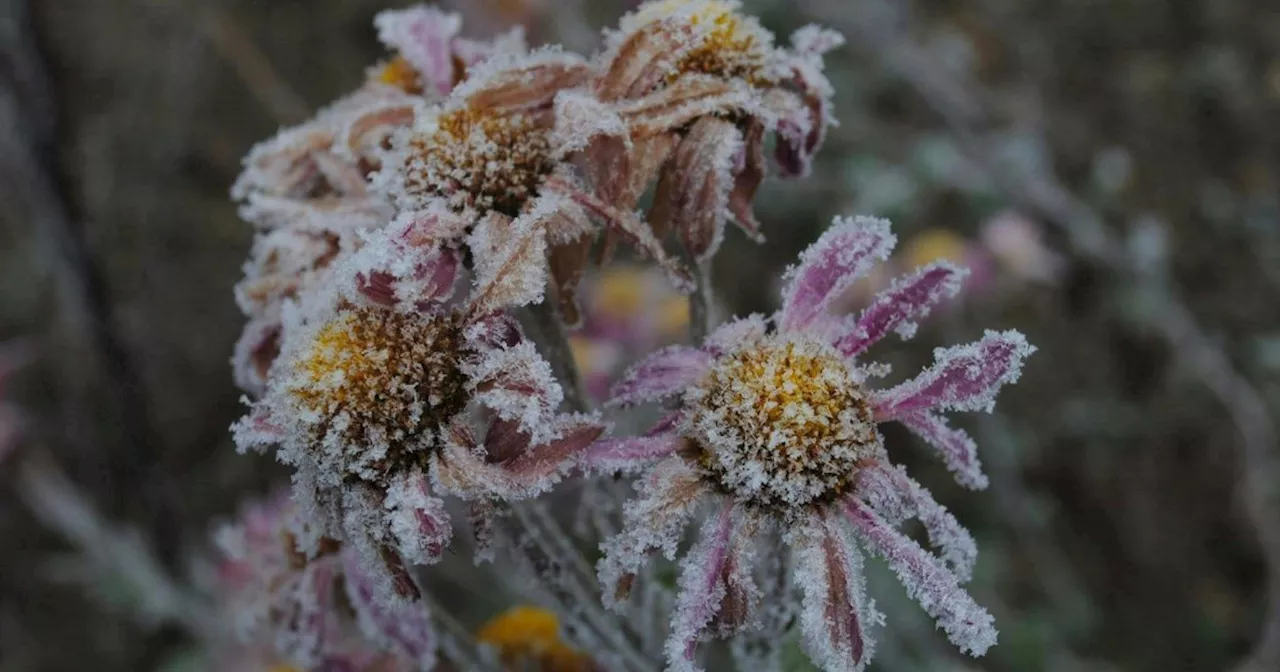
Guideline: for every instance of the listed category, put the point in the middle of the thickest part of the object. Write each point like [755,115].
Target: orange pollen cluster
[480,160]
[373,376]
[782,424]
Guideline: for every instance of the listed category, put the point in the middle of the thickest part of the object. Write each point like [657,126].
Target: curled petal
[418,520]
[568,263]
[957,449]
[641,62]
[844,253]
[962,378]
[898,307]
[748,174]
[662,374]
[836,612]
[525,83]
[256,351]
[403,627]
[580,118]
[687,99]
[423,36]
[518,385]
[692,195]
[701,591]
[897,497]
[309,614]
[510,258]
[550,458]
[668,496]
[927,581]
[461,469]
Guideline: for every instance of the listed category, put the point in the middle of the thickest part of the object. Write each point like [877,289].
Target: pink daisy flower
[773,428]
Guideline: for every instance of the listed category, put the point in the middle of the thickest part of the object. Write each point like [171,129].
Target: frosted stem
[700,301]
[549,333]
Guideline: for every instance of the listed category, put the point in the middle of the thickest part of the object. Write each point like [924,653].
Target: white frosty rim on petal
[844,253]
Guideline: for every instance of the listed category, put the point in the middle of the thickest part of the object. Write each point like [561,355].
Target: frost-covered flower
[698,86]
[307,191]
[500,152]
[528,639]
[313,611]
[774,427]
[385,395]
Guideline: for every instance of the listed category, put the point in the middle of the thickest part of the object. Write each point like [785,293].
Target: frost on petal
[844,253]
[630,454]
[573,435]
[962,378]
[256,351]
[957,449]
[463,469]
[896,497]
[732,336]
[802,131]
[701,591]
[518,385]
[311,615]
[423,36]
[748,174]
[836,612]
[402,627]
[510,259]
[522,83]
[580,118]
[418,520]
[667,498]
[688,98]
[692,196]
[664,373]
[897,308]
[927,580]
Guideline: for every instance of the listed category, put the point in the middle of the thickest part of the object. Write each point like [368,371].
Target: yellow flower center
[381,379]
[399,73]
[728,46]
[782,424]
[485,161]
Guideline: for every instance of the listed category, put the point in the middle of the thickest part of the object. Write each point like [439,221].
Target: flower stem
[550,334]
[700,301]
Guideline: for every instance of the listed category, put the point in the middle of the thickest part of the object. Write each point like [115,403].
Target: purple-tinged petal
[630,454]
[549,459]
[962,378]
[927,580]
[309,615]
[424,37]
[668,496]
[401,626]
[835,612]
[896,497]
[664,373]
[957,449]
[701,590]
[845,252]
[517,384]
[418,520]
[897,308]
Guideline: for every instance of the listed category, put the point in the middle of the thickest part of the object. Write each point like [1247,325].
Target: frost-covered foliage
[406,232]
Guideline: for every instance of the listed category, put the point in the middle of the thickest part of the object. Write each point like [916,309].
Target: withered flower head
[774,427]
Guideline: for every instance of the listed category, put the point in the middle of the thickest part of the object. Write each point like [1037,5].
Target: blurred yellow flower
[934,245]
[525,634]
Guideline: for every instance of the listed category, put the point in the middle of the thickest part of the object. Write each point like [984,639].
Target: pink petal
[927,581]
[424,36]
[963,378]
[898,307]
[664,373]
[548,459]
[958,451]
[418,520]
[629,454]
[835,608]
[896,497]
[701,591]
[843,254]
[403,627]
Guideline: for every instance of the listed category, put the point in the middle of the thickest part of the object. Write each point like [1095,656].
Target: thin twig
[701,299]
[872,25]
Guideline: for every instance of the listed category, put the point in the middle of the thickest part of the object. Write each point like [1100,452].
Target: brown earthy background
[1131,522]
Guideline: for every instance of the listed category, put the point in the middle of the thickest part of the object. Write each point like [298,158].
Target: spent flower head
[774,426]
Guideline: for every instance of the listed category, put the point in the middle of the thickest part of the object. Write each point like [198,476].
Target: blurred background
[1109,169]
